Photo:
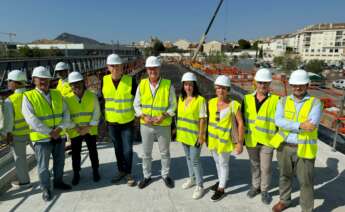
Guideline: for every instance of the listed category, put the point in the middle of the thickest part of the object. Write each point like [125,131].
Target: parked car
[339,84]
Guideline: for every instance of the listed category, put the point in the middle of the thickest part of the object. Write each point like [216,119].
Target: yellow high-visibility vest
[188,120]
[118,101]
[155,105]
[50,114]
[219,132]
[81,112]
[259,127]
[307,141]
[64,88]
[20,126]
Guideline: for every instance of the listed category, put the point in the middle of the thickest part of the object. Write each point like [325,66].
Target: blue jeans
[43,151]
[122,137]
[193,163]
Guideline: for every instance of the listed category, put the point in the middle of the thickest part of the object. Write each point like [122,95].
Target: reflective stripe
[265,130]
[154,108]
[50,117]
[22,128]
[19,121]
[118,100]
[81,114]
[250,121]
[306,141]
[282,134]
[83,123]
[187,120]
[118,111]
[216,137]
[262,118]
[220,128]
[187,130]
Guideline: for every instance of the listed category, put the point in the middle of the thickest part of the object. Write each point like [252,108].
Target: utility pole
[10,35]
[112,46]
[203,37]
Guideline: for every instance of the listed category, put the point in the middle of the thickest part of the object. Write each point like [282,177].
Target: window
[318,50]
[306,50]
[331,50]
[336,50]
[312,50]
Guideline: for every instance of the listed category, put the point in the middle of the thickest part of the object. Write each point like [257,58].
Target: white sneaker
[188,184]
[198,192]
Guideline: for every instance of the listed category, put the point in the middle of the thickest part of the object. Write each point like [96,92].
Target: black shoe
[218,195]
[253,192]
[215,186]
[145,182]
[46,195]
[96,176]
[62,186]
[169,182]
[76,178]
[266,197]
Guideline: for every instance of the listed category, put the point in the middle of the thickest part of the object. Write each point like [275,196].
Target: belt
[290,145]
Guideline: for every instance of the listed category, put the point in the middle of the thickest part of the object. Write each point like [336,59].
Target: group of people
[263,122]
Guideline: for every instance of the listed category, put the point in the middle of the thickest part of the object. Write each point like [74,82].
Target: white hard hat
[152,61]
[75,76]
[188,76]
[17,75]
[114,59]
[299,77]
[223,80]
[263,75]
[41,72]
[61,66]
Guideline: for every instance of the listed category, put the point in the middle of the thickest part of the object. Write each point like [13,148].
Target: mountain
[70,38]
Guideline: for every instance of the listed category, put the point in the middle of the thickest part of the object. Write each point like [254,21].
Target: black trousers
[76,150]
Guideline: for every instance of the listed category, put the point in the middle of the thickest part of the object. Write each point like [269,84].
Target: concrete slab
[104,196]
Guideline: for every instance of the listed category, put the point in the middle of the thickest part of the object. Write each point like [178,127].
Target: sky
[128,21]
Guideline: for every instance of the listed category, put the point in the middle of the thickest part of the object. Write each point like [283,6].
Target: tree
[157,47]
[25,51]
[287,63]
[315,66]
[244,44]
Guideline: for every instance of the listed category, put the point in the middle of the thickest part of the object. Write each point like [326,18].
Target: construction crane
[10,35]
[203,37]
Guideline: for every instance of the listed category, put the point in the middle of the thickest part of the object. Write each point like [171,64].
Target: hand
[85,130]
[147,119]
[201,140]
[158,119]
[307,126]
[238,148]
[55,133]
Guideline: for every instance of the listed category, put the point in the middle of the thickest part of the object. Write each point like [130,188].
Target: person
[191,130]
[118,91]
[16,129]
[223,138]
[85,112]
[297,116]
[258,112]
[155,104]
[61,70]
[47,115]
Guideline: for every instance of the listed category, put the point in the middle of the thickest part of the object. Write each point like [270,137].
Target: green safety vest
[155,105]
[64,88]
[118,101]
[259,127]
[20,126]
[307,141]
[219,132]
[81,112]
[50,113]
[188,120]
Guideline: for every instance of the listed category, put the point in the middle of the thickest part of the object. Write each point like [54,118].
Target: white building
[212,46]
[182,44]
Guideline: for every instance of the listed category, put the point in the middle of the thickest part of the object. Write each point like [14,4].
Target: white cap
[263,75]
[61,66]
[17,75]
[152,61]
[41,72]
[223,80]
[188,76]
[299,77]
[75,76]
[114,59]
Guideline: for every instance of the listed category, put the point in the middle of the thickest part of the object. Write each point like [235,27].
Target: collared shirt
[95,115]
[172,99]
[9,112]
[258,104]
[38,125]
[1,118]
[293,126]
